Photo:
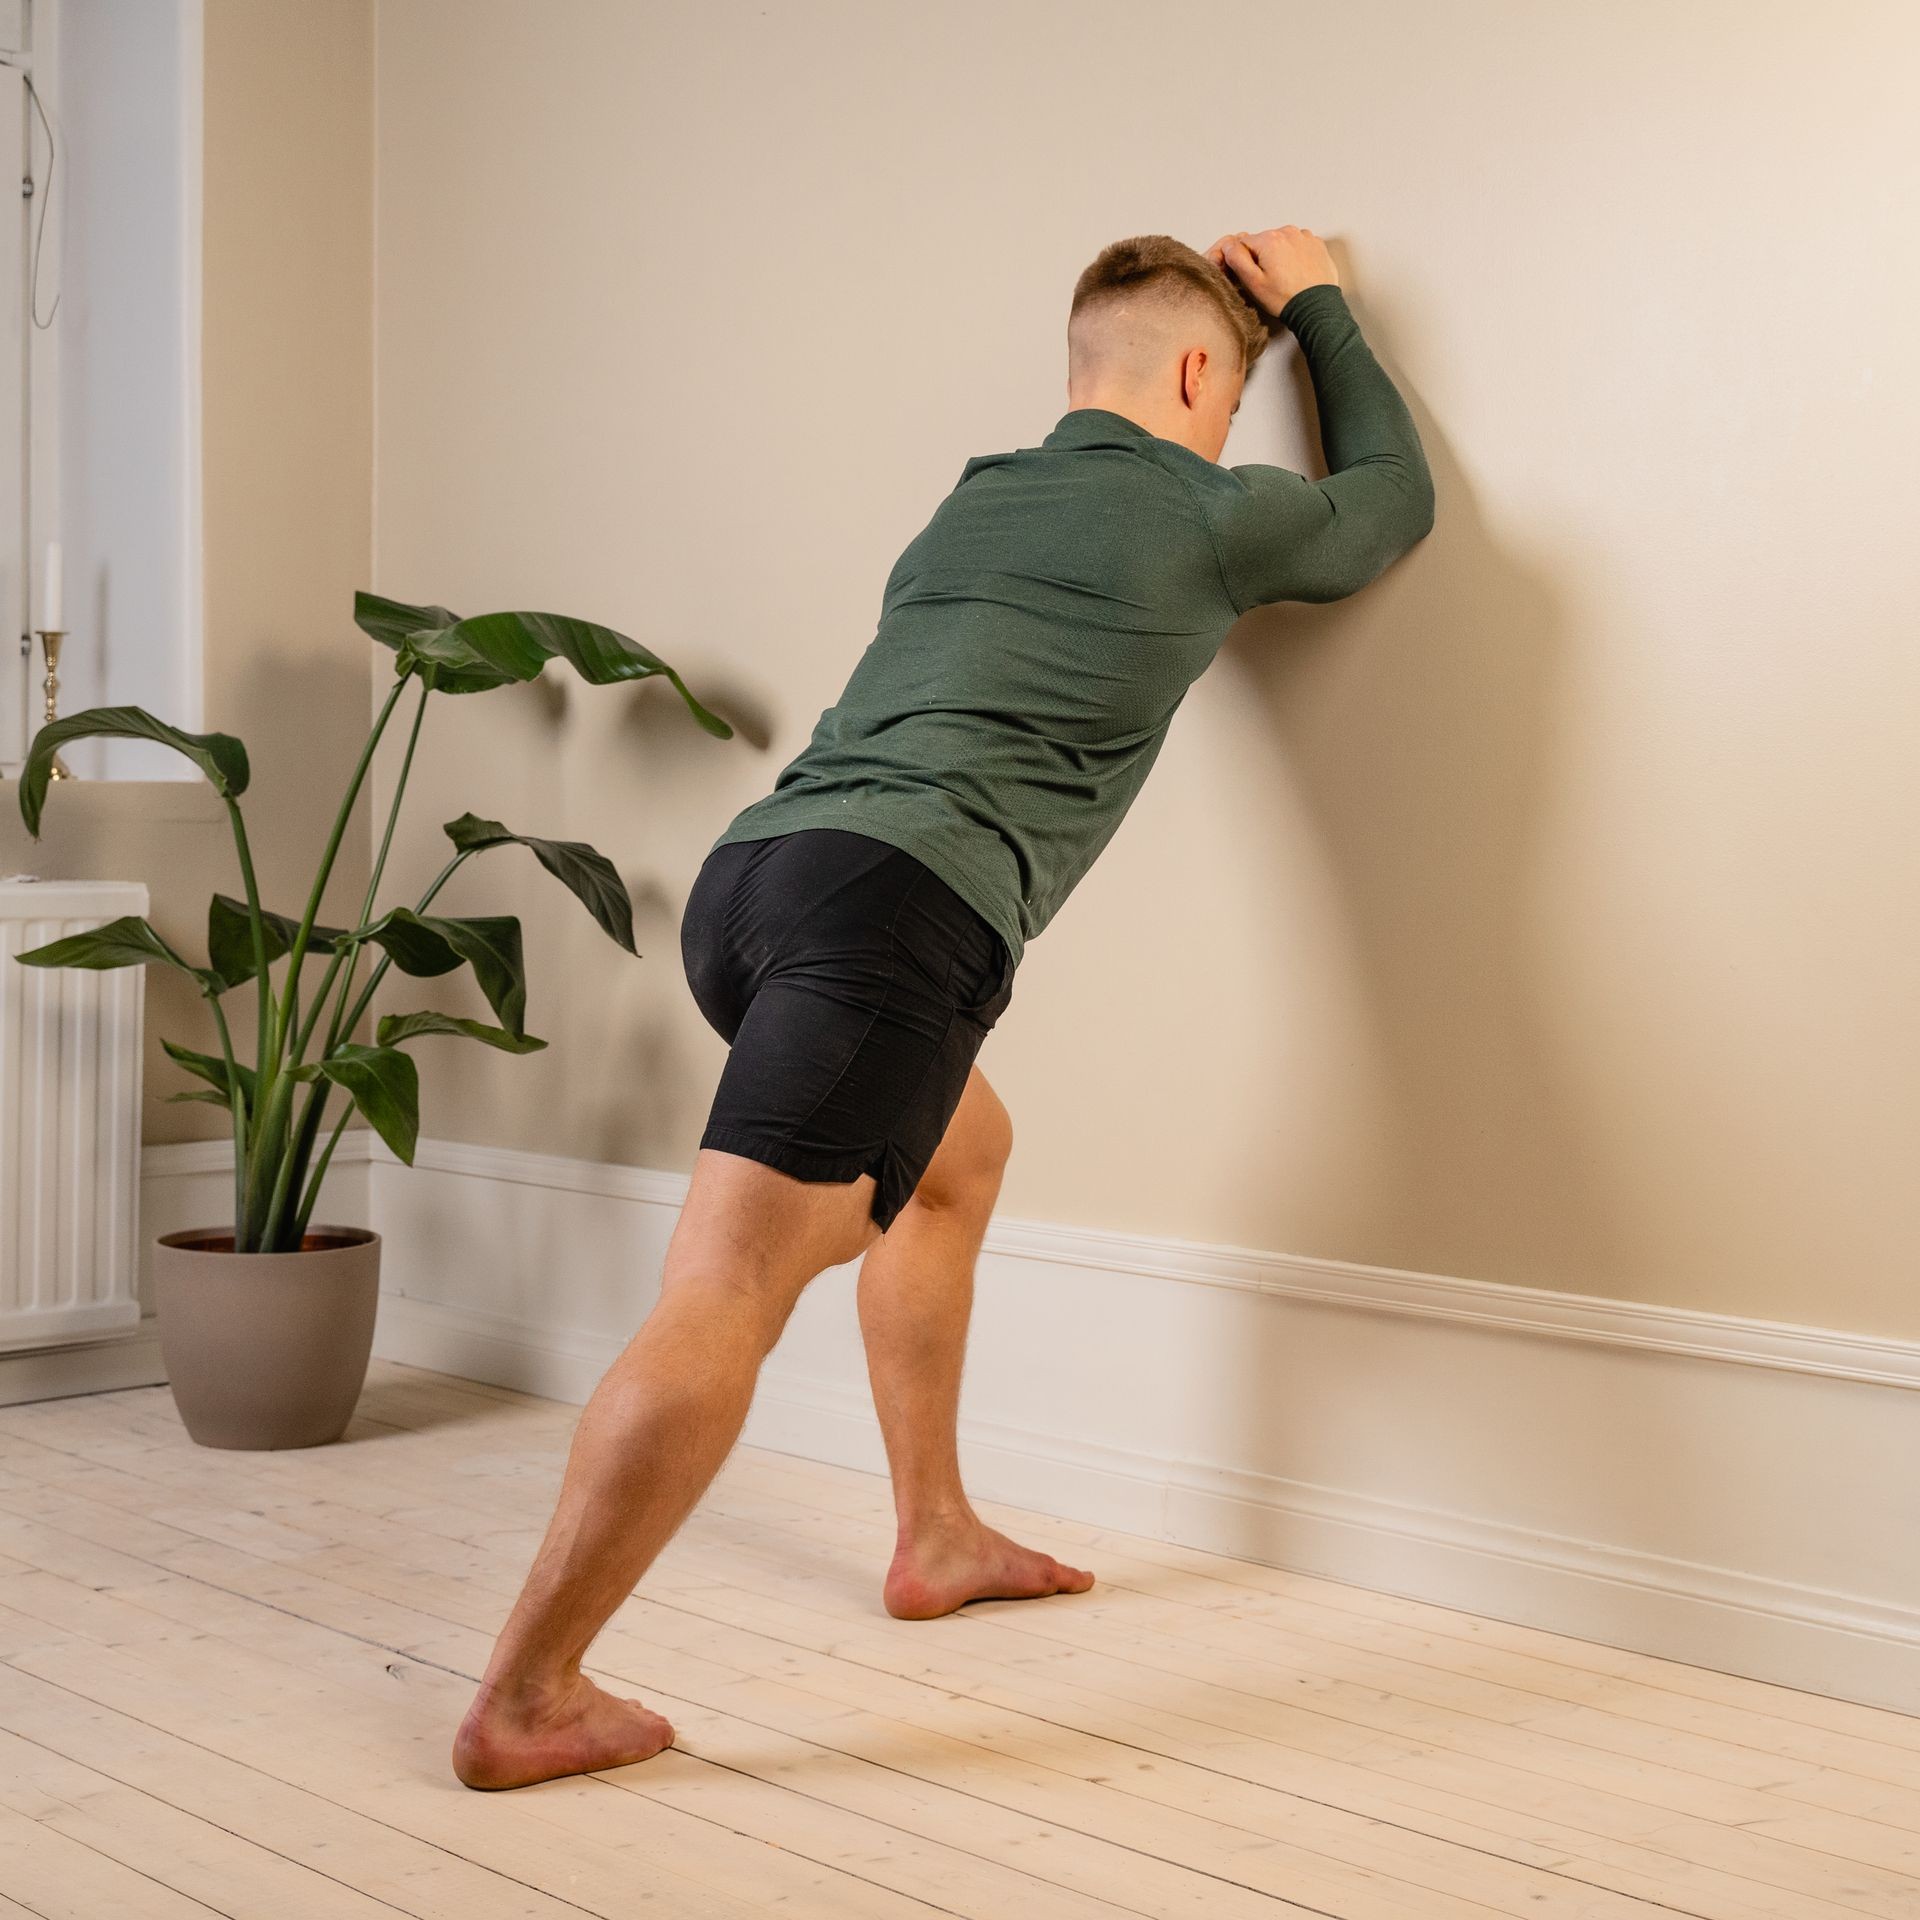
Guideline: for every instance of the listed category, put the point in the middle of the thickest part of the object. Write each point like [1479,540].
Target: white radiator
[69,1121]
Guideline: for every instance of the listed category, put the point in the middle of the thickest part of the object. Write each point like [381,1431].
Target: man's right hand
[1273,266]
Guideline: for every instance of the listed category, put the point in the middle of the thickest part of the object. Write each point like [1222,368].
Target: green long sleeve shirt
[1036,638]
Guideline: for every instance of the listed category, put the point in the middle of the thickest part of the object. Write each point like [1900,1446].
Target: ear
[1195,365]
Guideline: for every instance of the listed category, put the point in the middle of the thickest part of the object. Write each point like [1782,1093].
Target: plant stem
[393,812]
[319,1174]
[237,1107]
[263,991]
[386,960]
[339,1029]
[336,1031]
[298,952]
[269,1149]
[282,1181]
[319,1001]
[445,874]
[299,1153]
[240,1124]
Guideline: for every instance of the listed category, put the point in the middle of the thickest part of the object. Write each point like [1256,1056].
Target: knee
[997,1148]
[728,1305]
[858,1239]
[966,1173]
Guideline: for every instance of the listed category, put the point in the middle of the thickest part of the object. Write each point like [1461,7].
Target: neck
[1167,420]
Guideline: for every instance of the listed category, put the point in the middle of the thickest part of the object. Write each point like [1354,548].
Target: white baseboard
[1733,1493]
[1711,1616]
[130,1359]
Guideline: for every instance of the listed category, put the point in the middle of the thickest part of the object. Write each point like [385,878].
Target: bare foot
[943,1570]
[506,1742]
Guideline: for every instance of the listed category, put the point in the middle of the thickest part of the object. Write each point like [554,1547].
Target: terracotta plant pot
[266,1349]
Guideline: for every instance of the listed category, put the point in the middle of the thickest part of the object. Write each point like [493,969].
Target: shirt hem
[967,885]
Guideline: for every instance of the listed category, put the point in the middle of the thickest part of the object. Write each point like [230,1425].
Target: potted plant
[266,1326]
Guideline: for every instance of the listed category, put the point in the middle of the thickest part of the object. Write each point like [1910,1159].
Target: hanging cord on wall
[40,231]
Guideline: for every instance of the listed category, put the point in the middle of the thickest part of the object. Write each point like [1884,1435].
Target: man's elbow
[1362,566]
[1404,519]
[1410,524]
[1426,516]
[1419,513]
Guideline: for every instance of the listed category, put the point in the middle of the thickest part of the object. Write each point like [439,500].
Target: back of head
[1143,299]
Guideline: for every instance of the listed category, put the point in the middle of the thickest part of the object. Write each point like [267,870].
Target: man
[854,933]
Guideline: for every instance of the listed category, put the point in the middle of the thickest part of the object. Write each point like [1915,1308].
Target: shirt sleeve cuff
[1303,304]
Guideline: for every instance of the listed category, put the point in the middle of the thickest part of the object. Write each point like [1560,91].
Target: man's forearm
[1363,420]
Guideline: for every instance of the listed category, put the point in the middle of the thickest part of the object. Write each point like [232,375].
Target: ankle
[933,1520]
[525,1695]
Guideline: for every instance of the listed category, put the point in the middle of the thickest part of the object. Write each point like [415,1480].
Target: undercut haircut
[1163,271]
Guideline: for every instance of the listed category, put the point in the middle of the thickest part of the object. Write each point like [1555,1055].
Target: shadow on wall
[1421,748]
[660,1086]
[658,727]
[635,1123]
[1422,734]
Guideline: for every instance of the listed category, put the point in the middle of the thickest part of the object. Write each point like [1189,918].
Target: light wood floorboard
[228,1681]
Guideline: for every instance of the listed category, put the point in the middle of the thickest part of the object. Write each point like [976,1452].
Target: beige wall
[287,372]
[1545,914]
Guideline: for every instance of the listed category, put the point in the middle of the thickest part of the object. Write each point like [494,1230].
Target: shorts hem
[804,1163]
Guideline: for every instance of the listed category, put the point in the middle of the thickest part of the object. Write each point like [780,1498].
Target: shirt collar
[1096,427]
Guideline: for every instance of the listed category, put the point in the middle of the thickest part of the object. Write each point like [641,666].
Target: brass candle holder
[50,639]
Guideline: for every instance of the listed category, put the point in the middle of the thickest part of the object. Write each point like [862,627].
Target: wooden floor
[228,1682]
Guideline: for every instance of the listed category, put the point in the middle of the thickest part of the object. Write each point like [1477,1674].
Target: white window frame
[172,686]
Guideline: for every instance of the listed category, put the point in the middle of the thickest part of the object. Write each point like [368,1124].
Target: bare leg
[657,1429]
[916,1294]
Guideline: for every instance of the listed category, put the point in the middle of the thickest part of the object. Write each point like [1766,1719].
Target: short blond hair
[1166,269]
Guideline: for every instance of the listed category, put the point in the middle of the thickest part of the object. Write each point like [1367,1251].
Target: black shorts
[855,987]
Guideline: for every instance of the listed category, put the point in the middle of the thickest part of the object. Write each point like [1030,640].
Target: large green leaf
[211,1068]
[448,665]
[425,945]
[471,656]
[230,939]
[415,947]
[127,942]
[417,636]
[588,874]
[394,622]
[520,644]
[218,755]
[385,1085]
[395,1027]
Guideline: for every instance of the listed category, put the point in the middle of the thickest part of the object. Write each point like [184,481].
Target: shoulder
[1218,490]
[982,462]
[1239,504]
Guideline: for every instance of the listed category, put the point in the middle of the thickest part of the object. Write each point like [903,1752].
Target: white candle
[50,590]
